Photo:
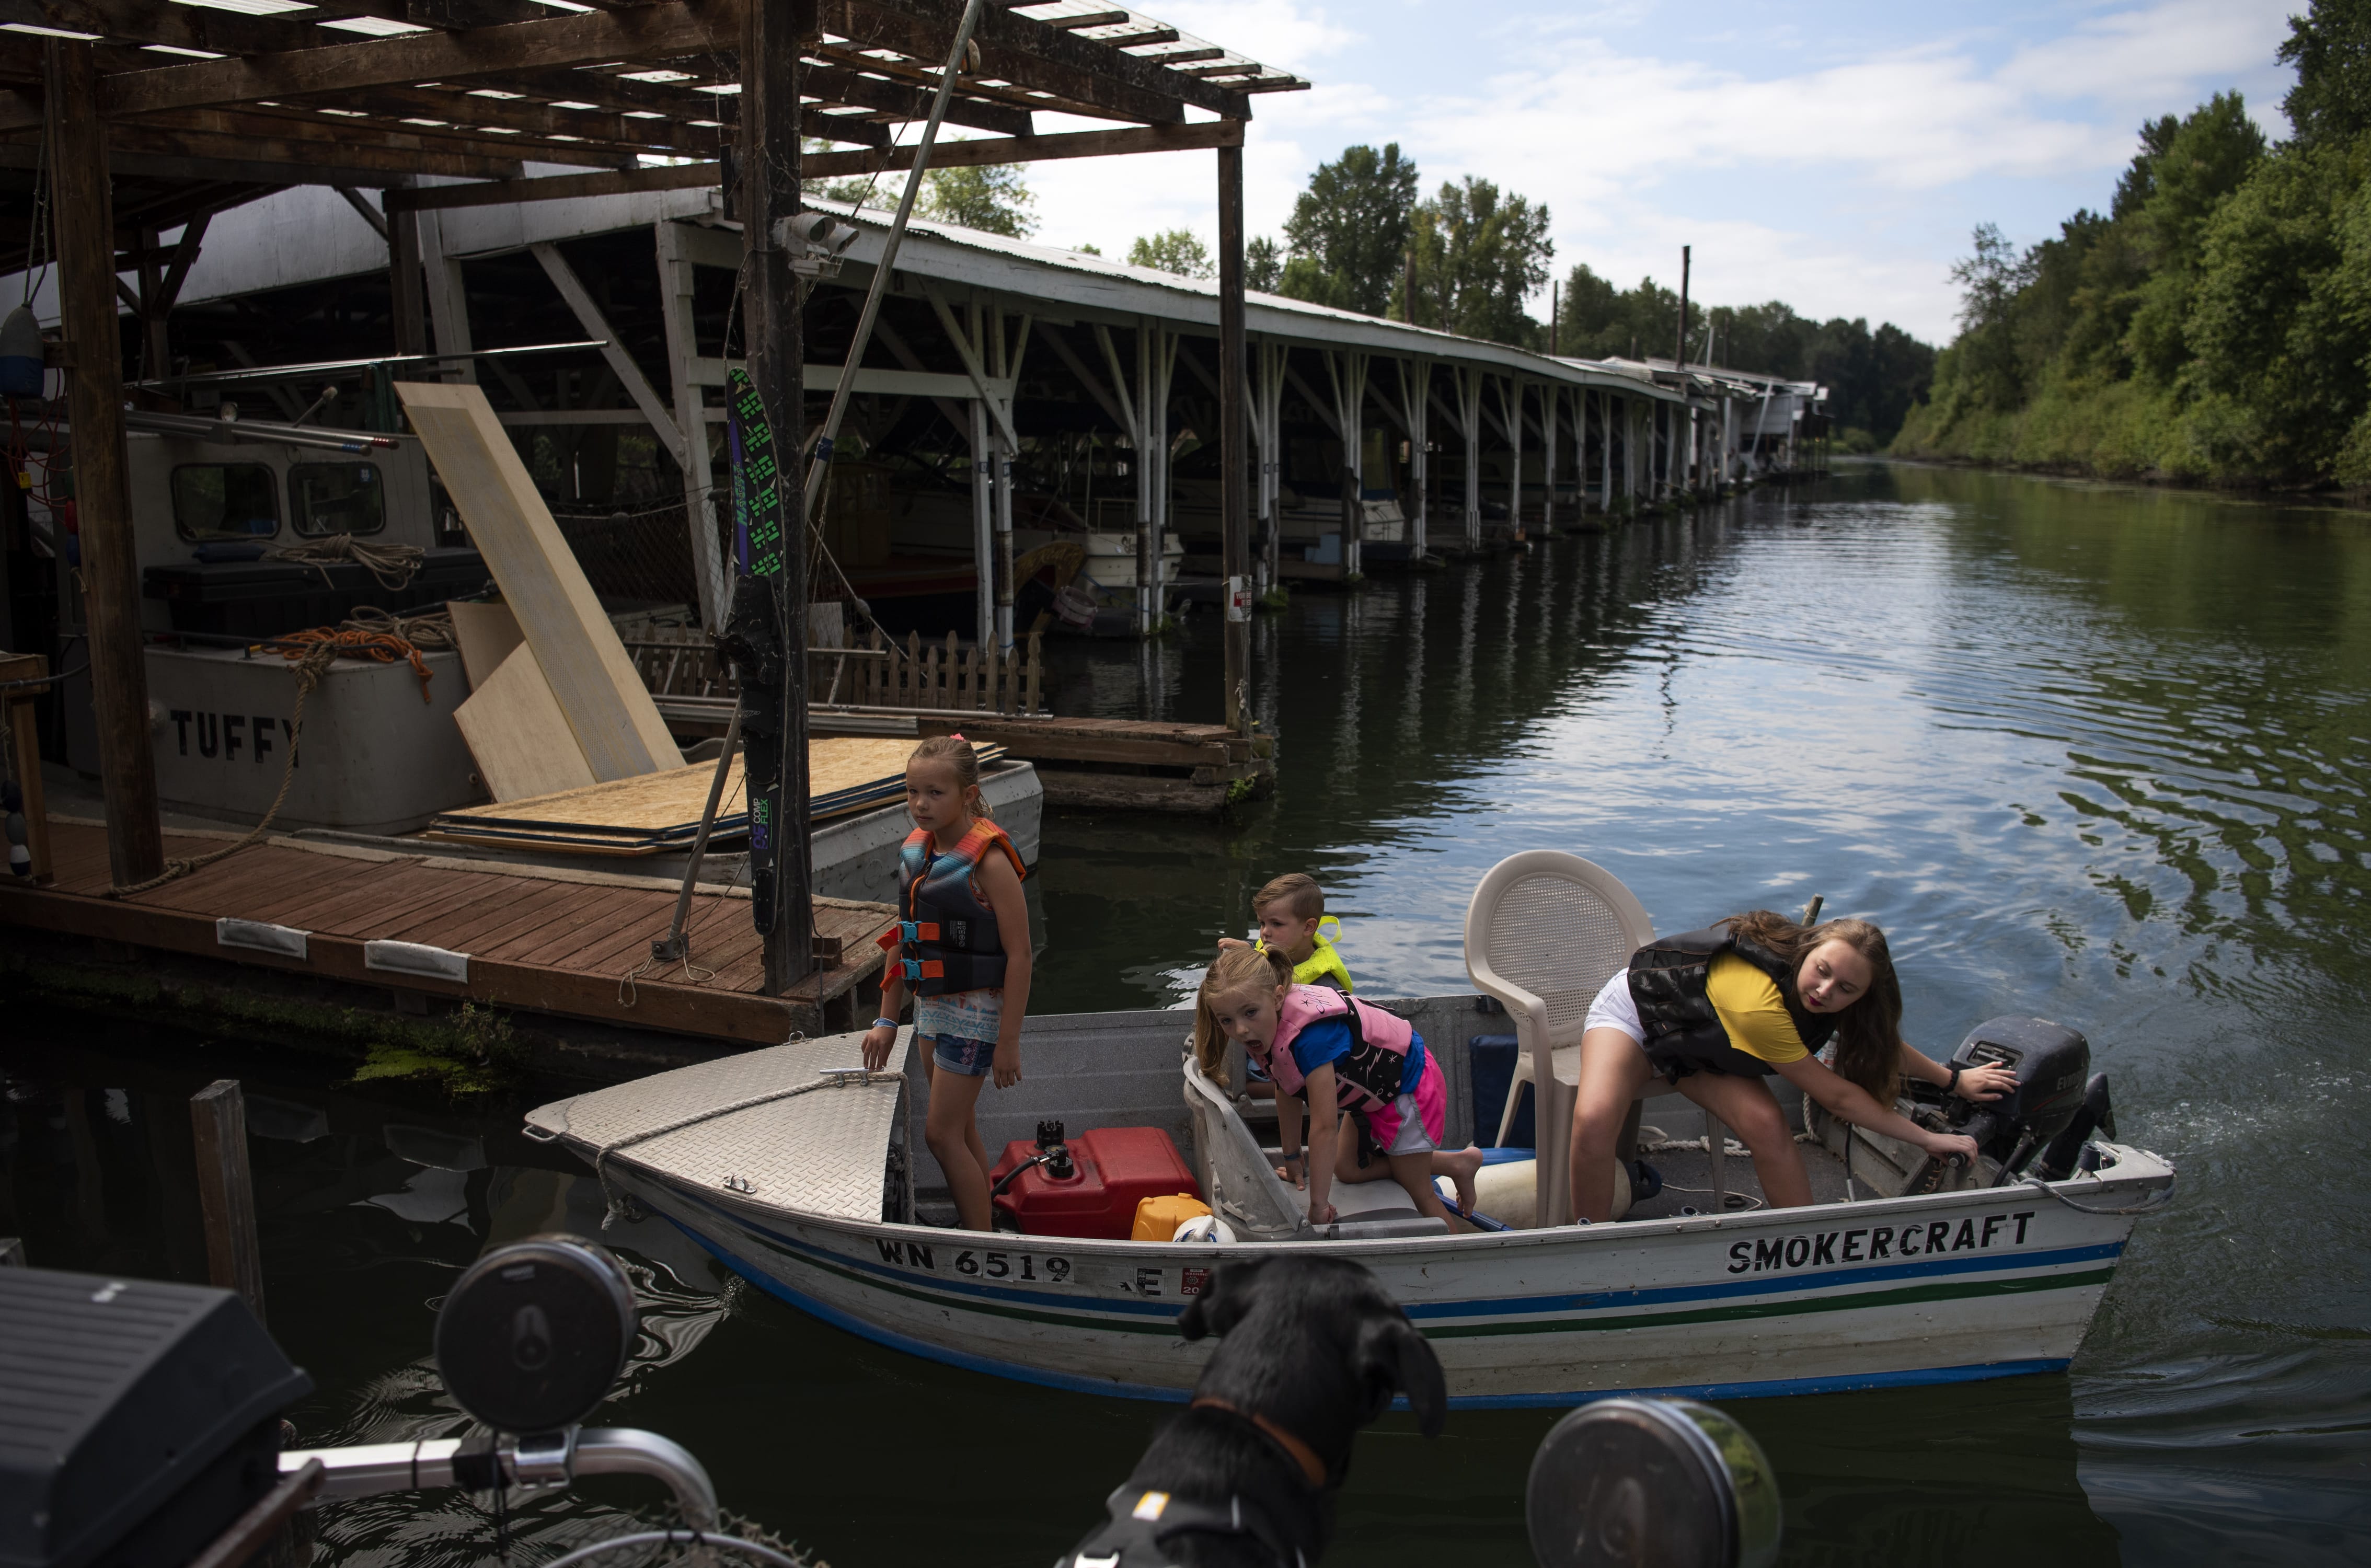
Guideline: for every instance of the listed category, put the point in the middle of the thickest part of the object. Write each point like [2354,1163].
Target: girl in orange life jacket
[1349,1057]
[961,950]
[1713,1011]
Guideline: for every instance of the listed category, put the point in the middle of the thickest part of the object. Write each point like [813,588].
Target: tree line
[1472,258]
[2214,324]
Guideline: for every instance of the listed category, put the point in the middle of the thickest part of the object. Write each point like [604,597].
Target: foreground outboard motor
[1652,1483]
[2056,1103]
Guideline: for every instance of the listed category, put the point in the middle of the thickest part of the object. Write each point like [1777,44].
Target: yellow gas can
[1157,1219]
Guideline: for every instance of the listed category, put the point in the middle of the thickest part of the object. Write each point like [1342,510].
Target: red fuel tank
[1113,1170]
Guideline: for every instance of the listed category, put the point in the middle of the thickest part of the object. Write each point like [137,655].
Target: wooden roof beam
[162,22]
[1105,80]
[292,160]
[463,108]
[285,123]
[839,84]
[662,29]
[1087,20]
[831,165]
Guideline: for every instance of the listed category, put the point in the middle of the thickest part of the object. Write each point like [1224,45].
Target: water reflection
[2090,754]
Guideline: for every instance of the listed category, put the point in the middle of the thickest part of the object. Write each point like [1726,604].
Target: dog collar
[1303,1454]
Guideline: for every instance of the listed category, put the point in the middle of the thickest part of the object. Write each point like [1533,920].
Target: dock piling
[226,1190]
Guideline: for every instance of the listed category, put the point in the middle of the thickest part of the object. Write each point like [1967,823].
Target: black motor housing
[2051,1063]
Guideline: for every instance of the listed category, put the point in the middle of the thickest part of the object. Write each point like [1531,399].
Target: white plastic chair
[1544,933]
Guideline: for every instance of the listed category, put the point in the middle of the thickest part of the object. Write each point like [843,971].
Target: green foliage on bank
[2213,326]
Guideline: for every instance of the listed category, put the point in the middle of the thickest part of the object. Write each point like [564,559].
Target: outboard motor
[2055,1107]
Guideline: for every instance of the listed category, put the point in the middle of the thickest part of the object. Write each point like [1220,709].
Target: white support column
[449,299]
[983,524]
[1630,451]
[1469,409]
[621,364]
[1510,398]
[1415,397]
[1549,397]
[1272,470]
[1006,356]
[1164,371]
[1346,370]
[708,556]
[1133,408]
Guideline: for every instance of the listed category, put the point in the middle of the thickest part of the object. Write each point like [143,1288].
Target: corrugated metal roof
[1089,283]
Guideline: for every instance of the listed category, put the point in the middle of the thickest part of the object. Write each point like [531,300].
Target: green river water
[2090,753]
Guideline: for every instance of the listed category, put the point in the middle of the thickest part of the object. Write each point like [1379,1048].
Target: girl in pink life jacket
[1352,1058]
[961,951]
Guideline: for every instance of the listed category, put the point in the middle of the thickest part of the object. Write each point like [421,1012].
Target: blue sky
[1832,154]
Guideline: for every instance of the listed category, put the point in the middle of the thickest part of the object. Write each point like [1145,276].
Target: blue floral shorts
[972,1059]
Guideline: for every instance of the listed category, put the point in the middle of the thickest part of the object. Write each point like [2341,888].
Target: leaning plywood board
[660,811]
[618,727]
[522,742]
[486,633]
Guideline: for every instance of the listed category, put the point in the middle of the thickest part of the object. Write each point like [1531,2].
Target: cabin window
[336,498]
[225,501]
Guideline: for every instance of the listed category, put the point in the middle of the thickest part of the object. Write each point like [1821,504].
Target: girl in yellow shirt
[1715,1011]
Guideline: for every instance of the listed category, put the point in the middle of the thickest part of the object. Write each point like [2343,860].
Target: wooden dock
[557,942]
[1131,764]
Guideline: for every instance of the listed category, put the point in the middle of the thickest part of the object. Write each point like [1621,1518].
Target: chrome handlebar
[542,1461]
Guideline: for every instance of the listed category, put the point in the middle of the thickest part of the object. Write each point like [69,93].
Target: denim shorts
[971,1058]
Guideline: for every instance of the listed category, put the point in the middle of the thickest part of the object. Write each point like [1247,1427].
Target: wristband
[1952,1085]
[1289,1154]
[885,1023]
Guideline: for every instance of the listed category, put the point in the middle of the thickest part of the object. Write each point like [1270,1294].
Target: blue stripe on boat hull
[1772,1387]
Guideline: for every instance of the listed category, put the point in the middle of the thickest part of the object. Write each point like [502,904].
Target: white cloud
[1841,181]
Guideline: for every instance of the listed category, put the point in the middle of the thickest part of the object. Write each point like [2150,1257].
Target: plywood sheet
[618,728]
[524,745]
[662,811]
[486,634]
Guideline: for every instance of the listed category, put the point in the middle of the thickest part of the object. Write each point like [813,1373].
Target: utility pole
[774,721]
[1680,356]
[1234,438]
[1555,318]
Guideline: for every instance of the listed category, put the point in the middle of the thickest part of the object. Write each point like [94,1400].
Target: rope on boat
[394,565]
[2157,1200]
[310,661]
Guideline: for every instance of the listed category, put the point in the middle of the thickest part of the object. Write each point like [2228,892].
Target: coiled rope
[310,663]
[310,654]
[394,565]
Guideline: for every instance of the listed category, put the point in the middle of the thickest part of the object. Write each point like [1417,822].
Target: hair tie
[956,736]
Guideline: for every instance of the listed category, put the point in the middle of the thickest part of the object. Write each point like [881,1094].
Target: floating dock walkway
[539,940]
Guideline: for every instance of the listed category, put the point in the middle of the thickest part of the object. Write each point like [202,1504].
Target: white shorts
[1615,1008]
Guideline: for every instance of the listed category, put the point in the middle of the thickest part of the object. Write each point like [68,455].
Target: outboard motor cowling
[2051,1063]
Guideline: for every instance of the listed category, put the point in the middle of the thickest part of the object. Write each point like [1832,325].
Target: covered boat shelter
[169,114]
[1020,379]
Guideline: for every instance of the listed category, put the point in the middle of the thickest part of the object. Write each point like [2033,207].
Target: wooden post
[769,187]
[1234,437]
[406,303]
[155,346]
[227,1191]
[111,572]
[24,724]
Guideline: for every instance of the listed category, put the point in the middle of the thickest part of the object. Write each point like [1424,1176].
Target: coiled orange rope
[351,643]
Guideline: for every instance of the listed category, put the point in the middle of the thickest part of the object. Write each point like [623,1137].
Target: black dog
[1246,1478]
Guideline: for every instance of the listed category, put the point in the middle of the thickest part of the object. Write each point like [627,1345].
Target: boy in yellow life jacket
[1290,910]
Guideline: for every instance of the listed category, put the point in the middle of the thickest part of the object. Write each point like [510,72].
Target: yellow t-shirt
[1752,1010]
